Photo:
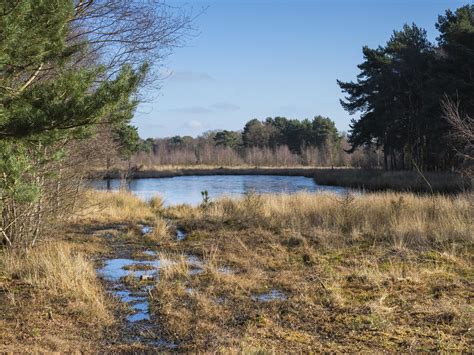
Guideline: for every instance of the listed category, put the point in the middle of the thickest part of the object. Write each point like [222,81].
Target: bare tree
[113,33]
[462,133]
[129,32]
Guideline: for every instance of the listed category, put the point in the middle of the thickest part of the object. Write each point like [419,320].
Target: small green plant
[206,200]
[252,205]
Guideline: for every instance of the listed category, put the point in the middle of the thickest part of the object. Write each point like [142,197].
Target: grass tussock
[156,204]
[56,270]
[160,229]
[115,207]
[173,266]
[51,300]
[307,272]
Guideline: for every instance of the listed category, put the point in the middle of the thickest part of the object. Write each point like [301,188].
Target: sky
[265,58]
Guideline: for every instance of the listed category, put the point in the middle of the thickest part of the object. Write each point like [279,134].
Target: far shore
[164,172]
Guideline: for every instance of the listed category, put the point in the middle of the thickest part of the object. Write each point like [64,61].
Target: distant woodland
[272,142]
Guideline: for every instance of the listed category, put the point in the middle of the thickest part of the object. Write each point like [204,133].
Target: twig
[32,77]
[422,175]
[6,237]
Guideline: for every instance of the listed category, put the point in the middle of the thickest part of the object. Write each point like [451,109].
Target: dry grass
[50,290]
[160,229]
[54,268]
[180,167]
[405,220]
[173,266]
[369,273]
[114,207]
[198,170]
[157,205]
[376,272]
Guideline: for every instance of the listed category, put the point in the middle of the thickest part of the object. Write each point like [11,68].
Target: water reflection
[273,295]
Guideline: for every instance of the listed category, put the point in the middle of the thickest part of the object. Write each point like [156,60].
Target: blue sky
[260,58]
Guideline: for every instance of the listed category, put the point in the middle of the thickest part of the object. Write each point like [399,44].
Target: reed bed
[413,220]
[406,181]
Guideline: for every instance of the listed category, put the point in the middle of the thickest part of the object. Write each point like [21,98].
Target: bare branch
[31,79]
[462,125]
[462,132]
[131,32]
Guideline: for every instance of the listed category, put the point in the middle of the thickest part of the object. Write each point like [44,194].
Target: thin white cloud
[192,110]
[225,106]
[190,76]
[201,110]
[152,125]
[194,124]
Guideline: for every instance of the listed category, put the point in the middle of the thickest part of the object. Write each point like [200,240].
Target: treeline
[71,73]
[272,142]
[409,90]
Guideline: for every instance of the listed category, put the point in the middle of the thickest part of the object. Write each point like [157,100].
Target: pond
[187,189]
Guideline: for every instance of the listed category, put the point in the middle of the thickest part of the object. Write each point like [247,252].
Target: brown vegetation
[283,273]
[383,272]
[380,180]
[50,300]
[108,207]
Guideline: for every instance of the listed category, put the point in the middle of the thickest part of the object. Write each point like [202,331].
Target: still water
[187,189]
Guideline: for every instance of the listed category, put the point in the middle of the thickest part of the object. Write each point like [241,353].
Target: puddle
[225,270]
[141,311]
[128,279]
[180,234]
[146,230]
[195,264]
[273,295]
[194,261]
[138,316]
[114,269]
[141,306]
[126,296]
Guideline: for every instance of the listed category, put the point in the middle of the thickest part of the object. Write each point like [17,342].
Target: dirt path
[129,271]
